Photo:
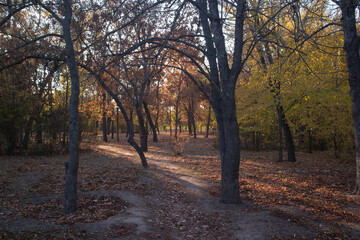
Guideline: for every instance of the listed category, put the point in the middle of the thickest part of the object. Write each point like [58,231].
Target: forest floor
[177,197]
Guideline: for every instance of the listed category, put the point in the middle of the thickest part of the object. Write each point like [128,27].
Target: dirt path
[241,222]
[173,199]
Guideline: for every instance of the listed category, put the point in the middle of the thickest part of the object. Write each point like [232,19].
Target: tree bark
[65,107]
[71,166]
[189,121]
[310,142]
[229,144]
[176,117]
[170,123]
[143,132]
[351,46]
[152,126]
[193,119]
[287,132]
[108,125]
[129,123]
[208,123]
[223,81]
[112,129]
[117,125]
[280,139]
[104,124]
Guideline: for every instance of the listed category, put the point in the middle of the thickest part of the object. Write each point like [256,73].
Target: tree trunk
[351,46]
[132,123]
[280,141]
[108,125]
[71,166]
[176,118]
[38,137]
[152,126]
[229,143]
[193,122]
[28,130]
[66,106]
[170,123]
[129,124]
[112,129]
[287,132]
[336,149]
[104,125]
[208,123]
[143,132]
[310,142]
[189,121]
[117,125]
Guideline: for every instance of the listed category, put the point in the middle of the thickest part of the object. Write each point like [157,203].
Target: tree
[351,47]
[71,166]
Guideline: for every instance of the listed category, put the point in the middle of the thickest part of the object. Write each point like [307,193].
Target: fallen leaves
[90,208]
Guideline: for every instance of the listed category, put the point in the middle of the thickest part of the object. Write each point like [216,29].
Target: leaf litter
[313,192]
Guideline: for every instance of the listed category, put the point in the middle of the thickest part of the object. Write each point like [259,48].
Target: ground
[177,197]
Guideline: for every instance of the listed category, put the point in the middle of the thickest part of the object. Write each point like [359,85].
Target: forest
[179,119]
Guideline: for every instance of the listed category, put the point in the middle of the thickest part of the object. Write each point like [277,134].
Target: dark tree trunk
[66,107]
[104,124]
[117,125]
[131,121]
[28,130]
[229,144]
[287,132]
[176,118]
[208,123]
[152,126]
[108,125]
[310,142]
[142,128]
[71,166]
[189,121]
[38,137]
[336,149]
[281,147]
[351,46]
[170,123]
[112,129]
[223,81]
[193,121]
[129,124]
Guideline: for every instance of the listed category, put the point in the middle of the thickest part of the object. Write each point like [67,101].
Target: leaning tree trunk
[288,136]
[129,123]
[152,126]
[71,166]
[351,46]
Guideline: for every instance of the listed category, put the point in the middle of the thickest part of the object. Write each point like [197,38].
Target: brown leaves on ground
[314,192]
[89,209]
